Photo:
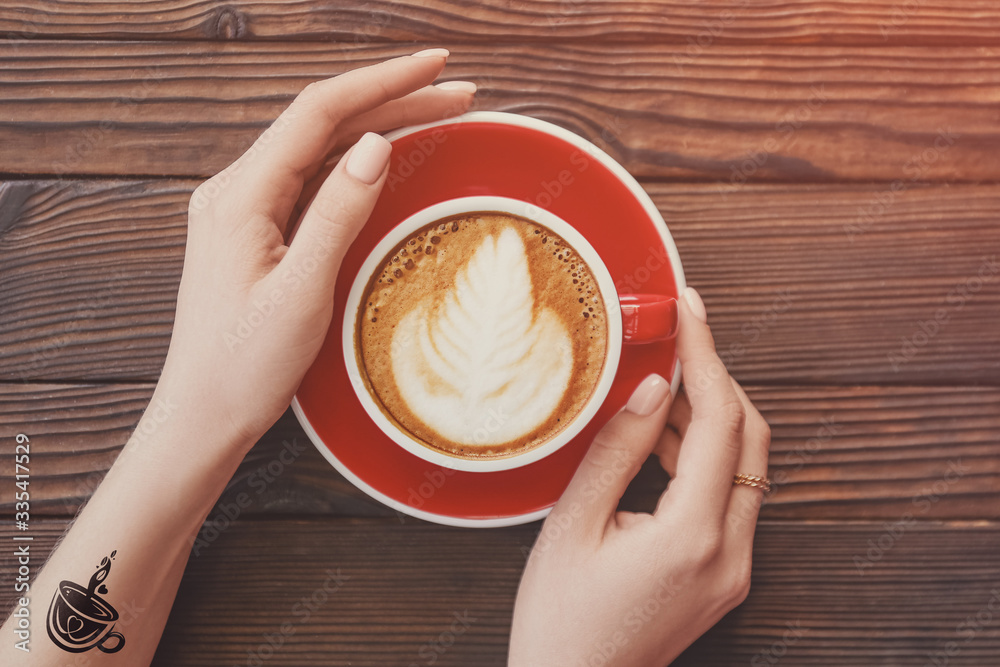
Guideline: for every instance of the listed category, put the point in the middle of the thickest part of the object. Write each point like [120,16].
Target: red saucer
[488,153]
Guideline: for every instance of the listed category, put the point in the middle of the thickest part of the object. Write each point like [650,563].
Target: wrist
[194,415]
[229,405]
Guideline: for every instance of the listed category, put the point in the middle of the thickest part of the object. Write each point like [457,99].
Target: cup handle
[648,318]
[119,644]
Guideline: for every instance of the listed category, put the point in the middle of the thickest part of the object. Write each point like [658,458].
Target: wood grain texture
[780,113]
[862,284]
[401,586]
[818,284]
[846,453]
[529,21]
[88,286]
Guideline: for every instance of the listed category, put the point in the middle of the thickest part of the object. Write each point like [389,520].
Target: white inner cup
[454,207]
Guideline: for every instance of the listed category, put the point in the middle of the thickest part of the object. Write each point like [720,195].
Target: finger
[428,104]
[711,449]
[668,446]
[268,178]
[614,458]
[425,105]
[745,501]
[339,209]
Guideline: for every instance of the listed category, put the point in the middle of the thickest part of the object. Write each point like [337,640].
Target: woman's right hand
[617,589]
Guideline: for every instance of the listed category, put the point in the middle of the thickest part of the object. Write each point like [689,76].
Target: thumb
[614,458]
[337,212]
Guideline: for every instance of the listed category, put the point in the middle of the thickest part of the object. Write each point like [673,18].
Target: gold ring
[756,482]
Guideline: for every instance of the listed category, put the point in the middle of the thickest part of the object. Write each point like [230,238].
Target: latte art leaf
[483,365]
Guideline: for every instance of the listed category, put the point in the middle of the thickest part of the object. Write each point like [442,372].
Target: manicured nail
[648,396]
[432,53]
[368,158]
[459,86]
[695,303]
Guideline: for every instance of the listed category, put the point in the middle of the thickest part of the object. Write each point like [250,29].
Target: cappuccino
[482,336]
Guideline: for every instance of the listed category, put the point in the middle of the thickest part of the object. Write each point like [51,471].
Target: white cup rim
[458,206]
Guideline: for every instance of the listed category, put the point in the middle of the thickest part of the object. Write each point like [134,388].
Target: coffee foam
[482,335]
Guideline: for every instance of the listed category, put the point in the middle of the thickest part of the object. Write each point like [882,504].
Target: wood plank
[90,275]
[401,586]
[864,284]
[837,453]
[804,284]
[778,113]
[448,22]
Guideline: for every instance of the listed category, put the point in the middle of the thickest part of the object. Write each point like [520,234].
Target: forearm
[146,512]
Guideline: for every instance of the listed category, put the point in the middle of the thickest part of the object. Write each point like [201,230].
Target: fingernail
[648,396]
[459,86]
[368,158]
[432,53]
[695,303]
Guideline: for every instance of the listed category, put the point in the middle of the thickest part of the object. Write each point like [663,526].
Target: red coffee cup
[648,318]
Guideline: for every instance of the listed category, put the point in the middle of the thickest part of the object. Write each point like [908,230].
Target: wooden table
[828,169]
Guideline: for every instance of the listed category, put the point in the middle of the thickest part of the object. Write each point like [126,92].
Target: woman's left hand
[254,303]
